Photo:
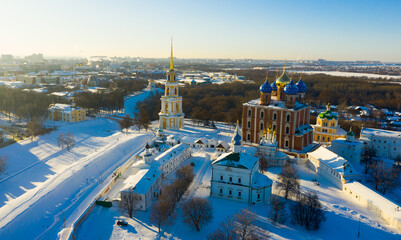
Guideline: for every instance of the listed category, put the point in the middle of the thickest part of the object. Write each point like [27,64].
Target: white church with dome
[236,176]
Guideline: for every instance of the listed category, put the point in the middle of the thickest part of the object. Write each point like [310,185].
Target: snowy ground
[352,74]
[342,215]
[130,102]
[44,184]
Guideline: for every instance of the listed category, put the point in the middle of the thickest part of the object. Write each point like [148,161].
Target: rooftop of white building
[380,132]
[260,180]
[376,199]
[142,180]
[171,153]
[349,143]
[332,160]
[237,160]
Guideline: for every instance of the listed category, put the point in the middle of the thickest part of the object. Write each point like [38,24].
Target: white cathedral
[171,115]
[236,176]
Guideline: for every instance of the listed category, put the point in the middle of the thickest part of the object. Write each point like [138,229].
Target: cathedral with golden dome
[171,115]
[282,106]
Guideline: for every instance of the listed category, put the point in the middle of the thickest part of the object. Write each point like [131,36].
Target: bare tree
[384,177]
[61,140]
[162,212]
[308,211]
[288,180]
[225,231]
[33,129]
[185,173]
[197,212]
[367,158]
[3,163]
[128,202]
[278,209]
[69,141]
[263,164]
[245,225]
[126,123]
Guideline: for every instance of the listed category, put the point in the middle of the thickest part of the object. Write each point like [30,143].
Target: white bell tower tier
[171,115]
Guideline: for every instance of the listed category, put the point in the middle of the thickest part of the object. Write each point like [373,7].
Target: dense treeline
[24,104]
[94,102]
[217,102]
[347,91]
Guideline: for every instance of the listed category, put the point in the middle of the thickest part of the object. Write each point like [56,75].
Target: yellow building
[327,128]
[66,112]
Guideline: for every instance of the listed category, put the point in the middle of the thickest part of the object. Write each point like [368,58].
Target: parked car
[122,223]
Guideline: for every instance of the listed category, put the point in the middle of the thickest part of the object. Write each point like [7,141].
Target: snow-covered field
[342,215]
[352,74]
[44,184]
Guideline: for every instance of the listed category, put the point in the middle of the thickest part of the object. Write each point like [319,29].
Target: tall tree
[288,180]
[126,123]
[308,211]
[128,202]
[162,212]
[33,129]
[3,163]
[197,212]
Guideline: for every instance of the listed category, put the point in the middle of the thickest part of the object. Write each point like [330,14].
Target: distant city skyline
[308,30]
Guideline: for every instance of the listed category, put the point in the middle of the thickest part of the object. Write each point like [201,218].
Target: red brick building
[281,105]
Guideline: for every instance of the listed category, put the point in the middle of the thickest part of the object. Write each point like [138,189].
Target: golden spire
[291,75]
[267,74]
[276,75]
[301,74]
[171,56]
[328,107]
[285,61]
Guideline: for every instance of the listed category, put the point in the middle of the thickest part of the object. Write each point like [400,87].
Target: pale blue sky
[334,30]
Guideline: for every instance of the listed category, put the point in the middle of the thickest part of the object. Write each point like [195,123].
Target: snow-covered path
[39,197]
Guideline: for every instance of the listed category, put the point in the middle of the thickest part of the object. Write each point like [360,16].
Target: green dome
[350,133]
[328,115]
[283,80]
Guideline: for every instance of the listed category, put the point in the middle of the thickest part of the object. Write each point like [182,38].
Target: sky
[284,29]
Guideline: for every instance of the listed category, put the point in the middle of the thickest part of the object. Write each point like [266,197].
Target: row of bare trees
[141,121]
[162,211]
[306,209]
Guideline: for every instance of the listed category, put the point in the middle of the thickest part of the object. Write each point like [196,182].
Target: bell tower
[171,115]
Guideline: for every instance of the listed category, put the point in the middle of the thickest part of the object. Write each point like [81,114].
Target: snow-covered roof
[170,153]
[132,180]
[276,104]
[260,180]
[344,141]
[223,145]
[60,106]
[142,180]
[237,160]
[376,199]
[332,160]
[380,132]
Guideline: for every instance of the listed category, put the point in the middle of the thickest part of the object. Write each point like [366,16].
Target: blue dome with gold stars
[274,86]
[301,86]
[291,88]
[265,87]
